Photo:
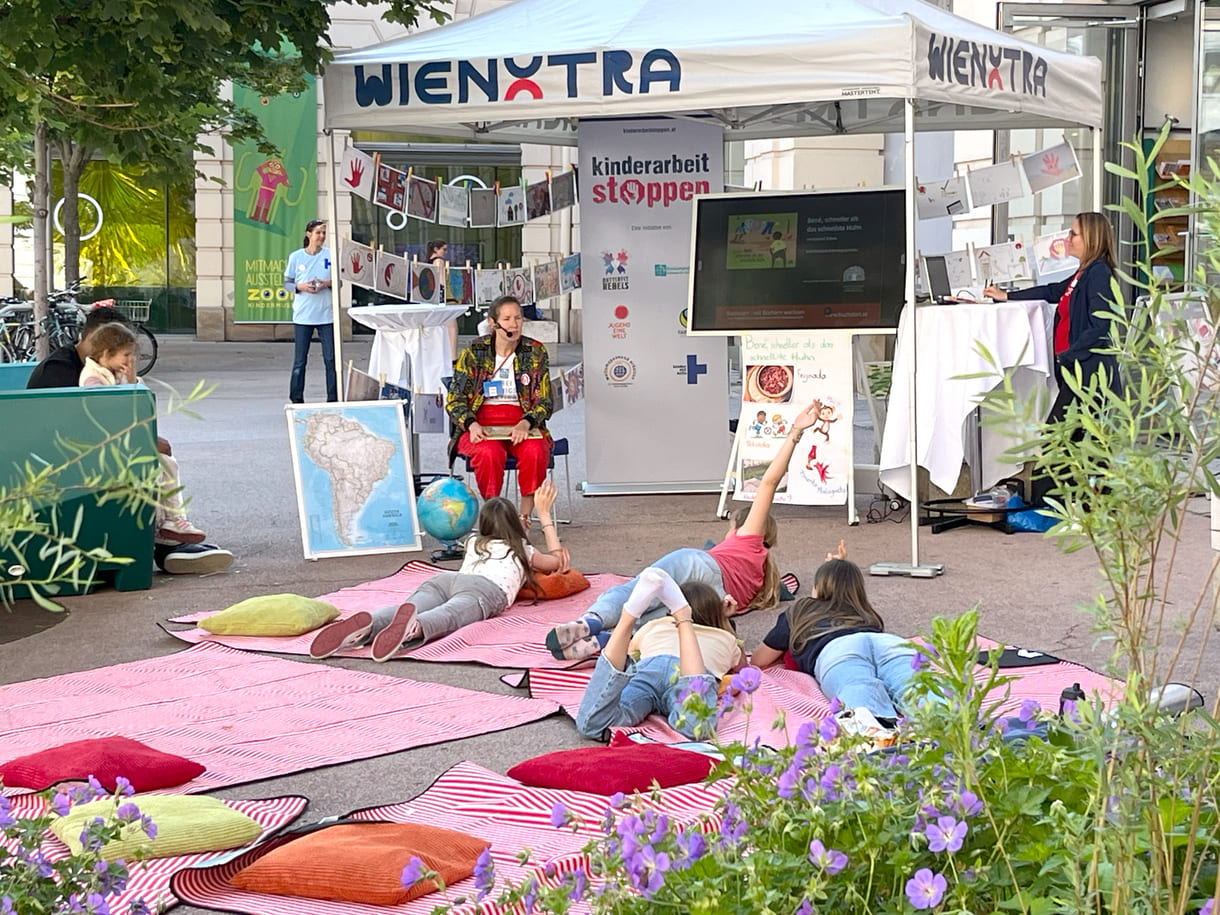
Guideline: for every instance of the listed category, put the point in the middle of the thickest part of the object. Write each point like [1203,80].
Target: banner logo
[478,81]
[692,370]
[620,371]
[620,324]
[991,66]
[615,278]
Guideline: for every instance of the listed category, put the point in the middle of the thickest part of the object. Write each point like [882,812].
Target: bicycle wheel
[146,350]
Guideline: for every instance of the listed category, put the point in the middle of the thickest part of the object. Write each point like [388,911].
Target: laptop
[938,279]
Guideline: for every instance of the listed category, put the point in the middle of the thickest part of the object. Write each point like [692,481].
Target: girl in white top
[111,361]
[689,649]
[499,560]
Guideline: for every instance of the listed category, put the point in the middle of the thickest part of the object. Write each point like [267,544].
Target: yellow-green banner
[274,196]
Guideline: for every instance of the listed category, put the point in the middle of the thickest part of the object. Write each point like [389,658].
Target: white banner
[784,373]
[656,412]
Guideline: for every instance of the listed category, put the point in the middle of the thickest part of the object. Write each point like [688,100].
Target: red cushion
[554,585]
[628,768]
[105,758]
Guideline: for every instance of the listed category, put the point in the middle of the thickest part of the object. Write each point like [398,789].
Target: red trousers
[489,456]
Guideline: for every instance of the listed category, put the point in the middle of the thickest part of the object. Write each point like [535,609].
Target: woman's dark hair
[1098,240]
[499,520]
[840,602]
[432,247]
[309,227]
[706,606]
[493,313]
[111,338]
[768,594]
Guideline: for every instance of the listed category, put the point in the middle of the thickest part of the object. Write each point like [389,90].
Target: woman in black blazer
[1083,301]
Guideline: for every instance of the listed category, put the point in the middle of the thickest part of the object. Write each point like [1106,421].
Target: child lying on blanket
[652,671]
[499,560]
[740,566]
[837,638]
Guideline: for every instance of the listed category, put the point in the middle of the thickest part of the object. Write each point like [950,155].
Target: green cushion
[271,614]
[186,824]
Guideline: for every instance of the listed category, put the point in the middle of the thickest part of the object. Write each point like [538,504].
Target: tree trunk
[42,194]
[72,158]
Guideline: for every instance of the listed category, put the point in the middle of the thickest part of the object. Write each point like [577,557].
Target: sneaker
[349,632]
[191,558]
[789,584]
[559,639]
[389,641]
[179,530]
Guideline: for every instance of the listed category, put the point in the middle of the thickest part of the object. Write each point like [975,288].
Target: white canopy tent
[529,71]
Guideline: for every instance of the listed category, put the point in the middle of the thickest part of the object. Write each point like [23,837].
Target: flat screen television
[804,260]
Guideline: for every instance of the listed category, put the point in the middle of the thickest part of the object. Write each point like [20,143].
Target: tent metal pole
[914,569]
[332,218]
[1099,170]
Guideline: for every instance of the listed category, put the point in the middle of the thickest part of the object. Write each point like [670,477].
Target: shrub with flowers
[34,880]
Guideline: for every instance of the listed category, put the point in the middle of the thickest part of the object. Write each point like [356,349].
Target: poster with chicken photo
[784,375]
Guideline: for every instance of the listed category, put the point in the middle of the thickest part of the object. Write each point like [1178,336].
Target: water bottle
[1072,693]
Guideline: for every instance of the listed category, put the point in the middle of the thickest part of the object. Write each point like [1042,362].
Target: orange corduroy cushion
[554,585]
[362,862]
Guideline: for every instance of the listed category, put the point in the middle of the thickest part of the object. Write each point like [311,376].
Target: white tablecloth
[416,332]
[1015,333]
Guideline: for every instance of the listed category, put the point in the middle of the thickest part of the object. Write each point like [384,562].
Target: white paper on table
[995,184]
[1051,166]
[356,172]
[454,205]
[391,275]
[356,264]
[1004,263]
[943,197]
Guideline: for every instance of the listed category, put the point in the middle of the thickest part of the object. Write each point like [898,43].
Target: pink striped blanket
[516,638]
[473,800]
[248,717]
[789,698]
[149,880]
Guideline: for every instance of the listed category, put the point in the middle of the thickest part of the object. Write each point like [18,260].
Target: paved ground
[235,464]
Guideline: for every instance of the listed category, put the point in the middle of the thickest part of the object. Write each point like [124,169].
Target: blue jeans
[302,335]
[682,565]
[870,669]
[622,698]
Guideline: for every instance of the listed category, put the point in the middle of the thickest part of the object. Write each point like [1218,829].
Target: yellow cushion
[186,824]
[271,614]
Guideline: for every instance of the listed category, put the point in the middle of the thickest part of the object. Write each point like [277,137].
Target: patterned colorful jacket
[476,364]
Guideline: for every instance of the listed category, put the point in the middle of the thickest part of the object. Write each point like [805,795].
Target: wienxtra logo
[633,191]
[970,63]
[502,79]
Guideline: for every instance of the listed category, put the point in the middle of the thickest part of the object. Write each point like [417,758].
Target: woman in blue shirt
[307,277]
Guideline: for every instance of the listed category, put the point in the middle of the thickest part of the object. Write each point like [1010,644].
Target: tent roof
[530,70]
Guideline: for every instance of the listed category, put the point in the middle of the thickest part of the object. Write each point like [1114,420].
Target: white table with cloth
[411,347]
[1017,334]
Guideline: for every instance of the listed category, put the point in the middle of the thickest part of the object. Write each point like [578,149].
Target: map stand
[451,552]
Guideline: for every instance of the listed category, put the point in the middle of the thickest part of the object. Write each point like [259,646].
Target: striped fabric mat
[149,881]
[799,699]
[516,638]
[248,717]
[473,800]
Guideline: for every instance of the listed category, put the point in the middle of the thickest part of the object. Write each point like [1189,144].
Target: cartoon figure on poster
[827,413]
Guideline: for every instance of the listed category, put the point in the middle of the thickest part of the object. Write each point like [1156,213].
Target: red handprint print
[389,272]
[357,173]
[1050,164]
[356,266]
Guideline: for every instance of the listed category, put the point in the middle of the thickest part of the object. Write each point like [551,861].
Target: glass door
[1206,149]
[1111,33]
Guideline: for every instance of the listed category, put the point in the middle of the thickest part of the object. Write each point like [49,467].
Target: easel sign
[783,374]
[351,463]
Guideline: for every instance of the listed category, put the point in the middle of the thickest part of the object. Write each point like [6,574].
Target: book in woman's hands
[506,432]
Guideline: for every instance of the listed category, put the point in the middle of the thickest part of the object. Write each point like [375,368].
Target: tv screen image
[798,261]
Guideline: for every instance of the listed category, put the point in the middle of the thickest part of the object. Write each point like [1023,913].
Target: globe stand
[450,553]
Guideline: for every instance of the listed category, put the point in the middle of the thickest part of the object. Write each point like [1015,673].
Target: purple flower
[1208,907]
[788,780]
[747,679]
[829,728]
[412,872]
[559,814]
[805,908]
[484,873]
[946,834]
[836,705]
[919,661]
[829,859]
[806,734]
[692,844]
[150,828]
[61,803]
[98,790]
[6,906]
[139,907]
[127,812]
[531,896]
[1029,711]
[123,786]
[617,799]
[646,870]
[580,883]
[969,804]
[97,904]
[1073,715]
[926,889]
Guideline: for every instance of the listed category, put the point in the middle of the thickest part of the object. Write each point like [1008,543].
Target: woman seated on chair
[499,402]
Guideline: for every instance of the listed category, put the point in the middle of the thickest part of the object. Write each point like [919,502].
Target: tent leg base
[923,570]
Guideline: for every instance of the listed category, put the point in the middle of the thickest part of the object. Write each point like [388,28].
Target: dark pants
[1041,486]
[303,336]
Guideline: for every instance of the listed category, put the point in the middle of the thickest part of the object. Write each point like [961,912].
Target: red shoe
[345,633]
[389,641]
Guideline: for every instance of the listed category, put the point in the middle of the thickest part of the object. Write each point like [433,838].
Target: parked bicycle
[136,311]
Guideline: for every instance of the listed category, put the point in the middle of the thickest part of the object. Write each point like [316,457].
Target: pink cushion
[627,767]
[105,758]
